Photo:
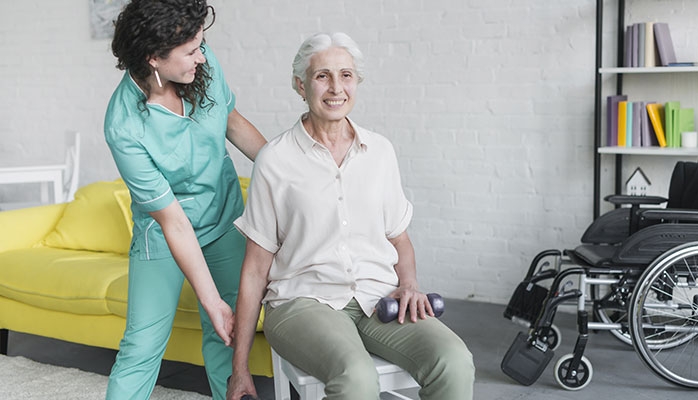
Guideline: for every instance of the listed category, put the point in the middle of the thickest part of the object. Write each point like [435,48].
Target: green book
[686,121]
[671,126]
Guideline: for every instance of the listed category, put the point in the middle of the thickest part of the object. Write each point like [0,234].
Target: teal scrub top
[164,157]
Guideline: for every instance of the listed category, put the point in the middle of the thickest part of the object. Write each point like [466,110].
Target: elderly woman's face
[330,84]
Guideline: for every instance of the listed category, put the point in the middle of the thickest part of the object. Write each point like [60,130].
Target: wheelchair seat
[633,236]
[638,250]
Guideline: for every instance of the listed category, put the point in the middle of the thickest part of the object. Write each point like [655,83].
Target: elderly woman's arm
[243,135]
[253,286]
[408,290]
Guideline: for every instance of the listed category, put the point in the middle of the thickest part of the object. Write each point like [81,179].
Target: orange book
[656,113]
[622,122]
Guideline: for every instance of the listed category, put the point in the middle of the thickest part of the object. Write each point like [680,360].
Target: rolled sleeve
[149,189]
[402,223]
[259,220]
[397,209]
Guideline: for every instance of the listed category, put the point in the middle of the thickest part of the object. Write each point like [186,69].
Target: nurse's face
[180,65]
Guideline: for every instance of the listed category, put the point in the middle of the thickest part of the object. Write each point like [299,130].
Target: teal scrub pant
[154,287]
[334,347]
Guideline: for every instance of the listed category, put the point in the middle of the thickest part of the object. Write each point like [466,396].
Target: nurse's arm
[186,251]
[243,135]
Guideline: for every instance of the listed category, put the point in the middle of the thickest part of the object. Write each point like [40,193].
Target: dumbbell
[387,308]
[245,397]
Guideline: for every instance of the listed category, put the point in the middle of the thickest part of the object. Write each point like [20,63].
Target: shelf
[646,70]
[652,151]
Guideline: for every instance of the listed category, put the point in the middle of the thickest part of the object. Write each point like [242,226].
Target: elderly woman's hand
[413,300]
[239,385]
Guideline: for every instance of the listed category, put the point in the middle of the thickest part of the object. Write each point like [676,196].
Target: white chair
[63,177]
[71,173]
[390,376]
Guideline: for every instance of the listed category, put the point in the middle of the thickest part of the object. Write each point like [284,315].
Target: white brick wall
[489,104]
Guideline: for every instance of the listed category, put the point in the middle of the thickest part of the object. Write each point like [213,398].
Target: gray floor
[618,371]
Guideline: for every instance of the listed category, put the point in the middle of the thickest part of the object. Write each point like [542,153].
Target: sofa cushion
[72,281]
[244,184]
[123,199]
[93,221]
[187,311]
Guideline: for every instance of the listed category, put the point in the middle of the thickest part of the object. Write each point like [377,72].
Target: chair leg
[282,389]
[4,337]
[398,395]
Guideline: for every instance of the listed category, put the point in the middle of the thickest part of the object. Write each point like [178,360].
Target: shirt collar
[306,142]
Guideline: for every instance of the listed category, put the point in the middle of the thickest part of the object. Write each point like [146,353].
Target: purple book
[612,118]
[665,46]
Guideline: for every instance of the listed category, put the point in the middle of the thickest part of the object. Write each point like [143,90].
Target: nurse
[166,125]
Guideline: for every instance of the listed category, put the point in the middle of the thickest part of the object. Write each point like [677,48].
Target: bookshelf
[642,76]
[646,70]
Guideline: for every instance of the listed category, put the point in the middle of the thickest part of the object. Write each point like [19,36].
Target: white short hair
[321,42]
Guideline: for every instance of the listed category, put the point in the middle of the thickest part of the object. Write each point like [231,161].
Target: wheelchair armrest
[664,214]
[619,199]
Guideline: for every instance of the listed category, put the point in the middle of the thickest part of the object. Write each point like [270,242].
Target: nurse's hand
[223,321]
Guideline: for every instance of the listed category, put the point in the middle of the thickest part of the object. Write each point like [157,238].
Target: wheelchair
[637,274]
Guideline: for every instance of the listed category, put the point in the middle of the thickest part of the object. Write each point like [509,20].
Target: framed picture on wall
[103,13]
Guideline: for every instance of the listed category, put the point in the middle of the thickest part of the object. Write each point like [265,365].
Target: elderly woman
[326,222]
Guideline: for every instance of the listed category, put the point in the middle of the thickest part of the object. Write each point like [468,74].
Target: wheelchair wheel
[664,311]
[612,307]
[573,380]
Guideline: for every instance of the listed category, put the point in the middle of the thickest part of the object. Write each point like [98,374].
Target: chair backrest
[683,188]
[72,165]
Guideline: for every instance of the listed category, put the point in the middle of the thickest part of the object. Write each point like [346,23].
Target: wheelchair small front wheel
[575,379]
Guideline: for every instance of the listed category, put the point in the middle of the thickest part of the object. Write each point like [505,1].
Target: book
[685,122]
[629,124]
[650,46]
[622,121]
[665,46]
[671,116]
[612,118]
[656,115]
[683,64]
[640,26]
[628,46]
[637,124]
[649,136]
[634,49]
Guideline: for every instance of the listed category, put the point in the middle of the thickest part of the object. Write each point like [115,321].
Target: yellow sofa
[64,275]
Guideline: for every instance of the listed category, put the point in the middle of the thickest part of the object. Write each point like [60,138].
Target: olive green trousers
[334,347]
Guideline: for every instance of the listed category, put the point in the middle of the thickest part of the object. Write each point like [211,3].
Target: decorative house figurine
[638,184]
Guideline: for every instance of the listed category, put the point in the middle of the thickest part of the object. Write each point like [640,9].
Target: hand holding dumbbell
[244,397]
[387,308]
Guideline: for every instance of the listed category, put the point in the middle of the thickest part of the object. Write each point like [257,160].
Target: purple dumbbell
[387,308]
[244,397]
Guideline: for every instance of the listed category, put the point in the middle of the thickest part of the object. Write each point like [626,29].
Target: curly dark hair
[148,28]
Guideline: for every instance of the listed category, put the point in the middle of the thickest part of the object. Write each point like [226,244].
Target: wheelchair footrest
[525,362]
[526,302]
